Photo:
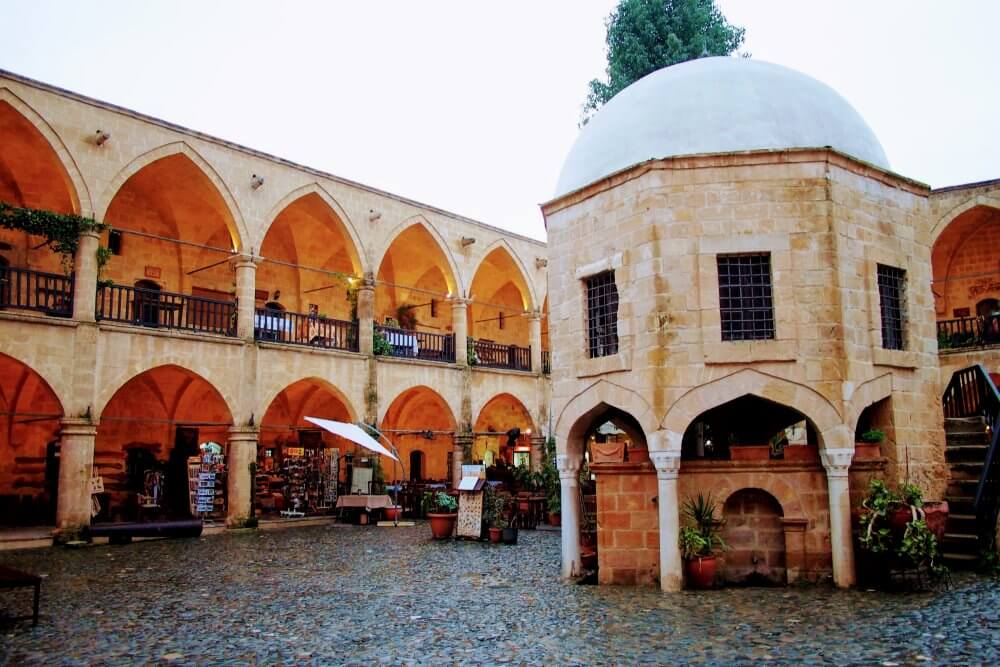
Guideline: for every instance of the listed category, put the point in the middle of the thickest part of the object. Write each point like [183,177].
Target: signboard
[471,474]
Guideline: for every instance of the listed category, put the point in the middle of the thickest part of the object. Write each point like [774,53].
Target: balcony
[165,310]
[966,332]
[24,289]
[299,329]
[416,345]
[498,355]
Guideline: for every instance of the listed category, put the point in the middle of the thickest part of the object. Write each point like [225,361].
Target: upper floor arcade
[213,238]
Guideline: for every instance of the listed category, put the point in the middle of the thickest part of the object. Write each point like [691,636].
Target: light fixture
[100,137]
[541,262]
[277,295]
[373,215]
[467,241]
[256,181]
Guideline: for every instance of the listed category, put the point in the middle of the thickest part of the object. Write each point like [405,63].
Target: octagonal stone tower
[731,260]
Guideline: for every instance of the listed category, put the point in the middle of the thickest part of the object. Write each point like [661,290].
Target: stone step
[972,438]
[966,454]
[960,538]
[960,504]
[960,561]
[959,422]
[966,470]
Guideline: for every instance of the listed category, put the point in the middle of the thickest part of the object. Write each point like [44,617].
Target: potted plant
[493,512]
[896,532]
[700,540]
[442,512]
[554,506]
[869,446]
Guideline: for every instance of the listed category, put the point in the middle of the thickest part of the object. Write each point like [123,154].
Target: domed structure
[716,105]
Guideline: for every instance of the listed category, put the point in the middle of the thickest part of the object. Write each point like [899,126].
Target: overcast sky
[472,107]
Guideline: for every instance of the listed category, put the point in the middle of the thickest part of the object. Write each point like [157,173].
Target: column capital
[93,233]
[77,426]
[459,302]
[837,461]
[568,467]
[668,464]
[244,260]
[535,315]
[243,433]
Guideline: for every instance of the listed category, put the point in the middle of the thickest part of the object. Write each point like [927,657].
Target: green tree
[646,35]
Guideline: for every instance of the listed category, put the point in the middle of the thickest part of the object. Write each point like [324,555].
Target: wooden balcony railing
[968,332]
[417,344]
[25,289]
[498,355]
[299,329]
[167,310]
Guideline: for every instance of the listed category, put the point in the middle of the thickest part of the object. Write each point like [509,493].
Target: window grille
[746,301]
[891,295]
[602,315]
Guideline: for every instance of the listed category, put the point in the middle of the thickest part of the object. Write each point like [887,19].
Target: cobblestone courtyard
[366,595]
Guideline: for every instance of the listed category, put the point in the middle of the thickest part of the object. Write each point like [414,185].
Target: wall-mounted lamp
[541,262]
[373,215]
[467,241]
[100,137]
[277,295]
[256,181]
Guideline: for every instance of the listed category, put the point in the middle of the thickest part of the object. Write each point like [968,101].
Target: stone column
[535,340]
[537,451]
[246,286]
[837,461]
[463,452]
[569,483]
[460,325]
[668,466]
[76,466]
[242,451]
[85,278]
[366,315]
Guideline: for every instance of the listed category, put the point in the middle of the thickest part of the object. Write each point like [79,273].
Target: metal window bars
[891,296]
[602,315]
[746,300]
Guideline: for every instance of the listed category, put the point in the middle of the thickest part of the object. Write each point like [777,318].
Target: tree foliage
[646,35]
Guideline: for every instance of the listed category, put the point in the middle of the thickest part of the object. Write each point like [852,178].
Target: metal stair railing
[972,393]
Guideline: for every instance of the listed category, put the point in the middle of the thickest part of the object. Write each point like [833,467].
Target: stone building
[243,293]
[735,267]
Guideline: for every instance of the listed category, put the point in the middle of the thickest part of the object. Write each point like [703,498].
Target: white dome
[716,105]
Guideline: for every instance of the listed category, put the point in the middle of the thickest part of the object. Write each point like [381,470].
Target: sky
[472,107]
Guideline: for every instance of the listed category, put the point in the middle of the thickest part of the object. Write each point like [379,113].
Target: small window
[500,320]
[602,315]
[892,305]
[434,308]
[746,303]
[115,242]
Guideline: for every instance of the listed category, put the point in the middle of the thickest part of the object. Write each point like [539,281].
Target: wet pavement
[366,595]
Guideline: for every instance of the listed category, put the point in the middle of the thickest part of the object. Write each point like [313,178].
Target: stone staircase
[967,441]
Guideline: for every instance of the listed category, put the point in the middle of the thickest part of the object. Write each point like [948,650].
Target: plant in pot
[700,540]
[493,512]
[554,506]
[869,444]
[442,512]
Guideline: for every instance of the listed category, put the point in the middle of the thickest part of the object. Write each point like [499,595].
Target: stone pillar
[837,461]
[242,451]
[76,466]
[668,464]
[366,315]
[85,278]
[537,451]
[795,548]
[246,286]
[535,340]
[463,453]
[460,325]
[569,483]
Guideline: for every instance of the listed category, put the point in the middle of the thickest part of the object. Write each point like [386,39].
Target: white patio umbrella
[360,436]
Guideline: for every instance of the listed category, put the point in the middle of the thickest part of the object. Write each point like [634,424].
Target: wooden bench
[122,533]
[11,579]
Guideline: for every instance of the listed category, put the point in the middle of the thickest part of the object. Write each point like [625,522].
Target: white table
[399,339]
[272,323]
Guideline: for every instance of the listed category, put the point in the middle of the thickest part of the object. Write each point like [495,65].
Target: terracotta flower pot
[392,513]
[701,572]
[867,450]
[637,455]
[442,525]
[495,535]
[750,453]
[555,519]
[935,514]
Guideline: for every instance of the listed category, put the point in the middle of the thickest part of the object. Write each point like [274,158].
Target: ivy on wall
[61,231]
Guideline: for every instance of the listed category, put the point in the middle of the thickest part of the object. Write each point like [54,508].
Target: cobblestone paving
[367,595]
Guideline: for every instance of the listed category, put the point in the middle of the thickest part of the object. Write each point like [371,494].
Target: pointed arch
[394,411]
[600,395]
[217,380]
[700,399]
[356,249]
[318,382]
[515,403]
[972,202]
[452,275]
[234,218]
[76,185]
[524,283]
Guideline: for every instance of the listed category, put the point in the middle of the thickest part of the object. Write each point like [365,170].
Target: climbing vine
[60,230]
